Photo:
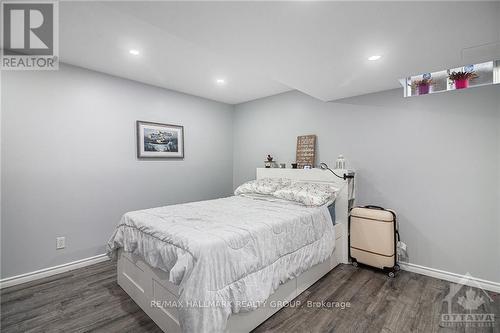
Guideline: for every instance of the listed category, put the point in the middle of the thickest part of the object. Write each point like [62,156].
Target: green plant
[462,75]
[423,82]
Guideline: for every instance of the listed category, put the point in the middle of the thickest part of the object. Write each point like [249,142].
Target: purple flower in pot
[423,86]
[461,78]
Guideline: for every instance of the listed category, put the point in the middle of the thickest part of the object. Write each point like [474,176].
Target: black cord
[335,173]
[344,177]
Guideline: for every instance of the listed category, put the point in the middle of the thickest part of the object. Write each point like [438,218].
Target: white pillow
[262,186]
[309,194]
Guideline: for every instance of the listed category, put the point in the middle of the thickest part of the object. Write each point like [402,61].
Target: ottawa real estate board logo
[30,35]
[468,306]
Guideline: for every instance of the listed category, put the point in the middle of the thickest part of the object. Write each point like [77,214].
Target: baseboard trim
[452,277]
[432,272]
[45,272]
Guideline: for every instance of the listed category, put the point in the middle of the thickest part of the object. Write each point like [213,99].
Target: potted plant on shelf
[461,78]
[423,86]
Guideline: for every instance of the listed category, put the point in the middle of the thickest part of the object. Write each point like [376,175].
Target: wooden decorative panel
[306,150]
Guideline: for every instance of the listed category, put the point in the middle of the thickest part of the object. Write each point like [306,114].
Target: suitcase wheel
[396,268]
[391,274]
[355,264]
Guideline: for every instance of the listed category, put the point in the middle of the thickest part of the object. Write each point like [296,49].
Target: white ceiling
[264,48]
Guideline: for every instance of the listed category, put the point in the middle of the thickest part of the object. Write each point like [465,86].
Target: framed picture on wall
[155,140]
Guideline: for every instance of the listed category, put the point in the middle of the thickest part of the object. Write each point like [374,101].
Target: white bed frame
[147,285]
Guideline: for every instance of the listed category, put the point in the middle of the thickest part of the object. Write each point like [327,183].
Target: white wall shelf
[488,73]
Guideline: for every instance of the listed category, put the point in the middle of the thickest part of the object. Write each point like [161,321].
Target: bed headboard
[312,175]
[345,193]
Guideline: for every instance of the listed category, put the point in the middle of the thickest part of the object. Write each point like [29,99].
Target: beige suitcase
[373,238]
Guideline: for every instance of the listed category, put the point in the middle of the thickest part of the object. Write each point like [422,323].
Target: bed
[266,254]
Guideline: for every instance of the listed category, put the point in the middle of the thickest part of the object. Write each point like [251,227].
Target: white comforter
[226,255]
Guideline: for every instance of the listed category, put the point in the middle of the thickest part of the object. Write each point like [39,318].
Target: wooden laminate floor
[90,300]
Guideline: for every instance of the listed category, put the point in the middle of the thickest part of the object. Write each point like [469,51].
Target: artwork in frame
[156,140]
[306,151]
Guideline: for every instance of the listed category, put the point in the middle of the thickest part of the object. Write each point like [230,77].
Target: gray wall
[69,165]
[435,159]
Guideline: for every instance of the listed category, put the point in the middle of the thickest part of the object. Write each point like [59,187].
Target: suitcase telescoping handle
[374,207]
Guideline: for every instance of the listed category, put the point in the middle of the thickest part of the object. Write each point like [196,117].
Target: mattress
[226,255]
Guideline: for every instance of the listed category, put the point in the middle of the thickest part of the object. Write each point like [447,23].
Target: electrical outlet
[60,243]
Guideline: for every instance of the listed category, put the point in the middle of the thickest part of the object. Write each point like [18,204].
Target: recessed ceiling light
[374,57]
[134,52]
[220,82]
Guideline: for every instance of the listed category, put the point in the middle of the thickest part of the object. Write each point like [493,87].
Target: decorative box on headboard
[306,150]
